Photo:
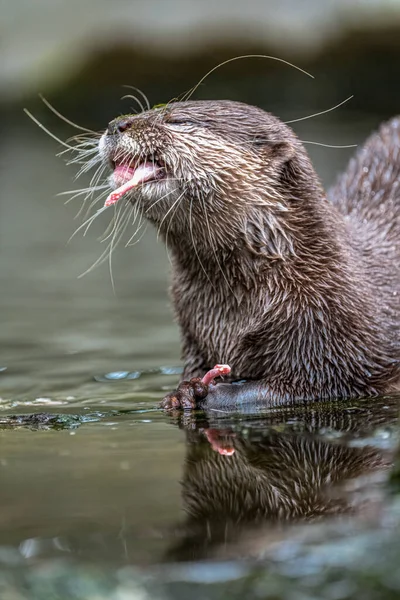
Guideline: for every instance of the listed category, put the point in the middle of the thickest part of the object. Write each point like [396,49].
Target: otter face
[135,149]
[191,155]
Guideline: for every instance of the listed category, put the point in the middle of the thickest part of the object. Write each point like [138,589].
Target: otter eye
[179,121]
[259,141]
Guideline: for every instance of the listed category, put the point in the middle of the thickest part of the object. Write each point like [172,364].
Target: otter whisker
[202,204]
[87,161]
[115,240]
[229,60]
[266,141]
[114,224]
[158,200]
[83,147]
[123,218]
[138,228]
[96,200]
[96,214]
[105,255]
[145,98]
[35,120]
[194,243]
[329,145]
[82,191]
[169,225]
[84,158]
[88,221]
[132,97]
[168,211]
[87,157]
[58,114]
[110,229]
[88,191]
[322,112]
[107,232]
[98,174]
[87,165]
[91,137]
[162,197]
[93,183]
[136,213]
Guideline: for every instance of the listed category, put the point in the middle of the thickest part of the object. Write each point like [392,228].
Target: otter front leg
[225,396]
[238,395]
[190,393]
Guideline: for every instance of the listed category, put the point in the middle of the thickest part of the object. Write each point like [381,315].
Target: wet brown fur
[297,292]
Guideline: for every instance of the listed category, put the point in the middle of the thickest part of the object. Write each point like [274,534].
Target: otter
[295,289]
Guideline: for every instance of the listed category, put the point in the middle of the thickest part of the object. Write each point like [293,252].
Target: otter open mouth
[129,177]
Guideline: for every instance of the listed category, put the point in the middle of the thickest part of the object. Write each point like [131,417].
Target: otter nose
[119,125]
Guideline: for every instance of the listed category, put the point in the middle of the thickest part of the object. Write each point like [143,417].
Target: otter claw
[187,396]
[170,402]
[190,393]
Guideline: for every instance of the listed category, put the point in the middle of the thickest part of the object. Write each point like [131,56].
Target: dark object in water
[40,421]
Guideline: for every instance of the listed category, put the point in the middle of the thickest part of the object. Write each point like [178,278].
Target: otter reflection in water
[271,476]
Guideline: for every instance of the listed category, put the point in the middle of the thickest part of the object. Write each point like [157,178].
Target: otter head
[197,164]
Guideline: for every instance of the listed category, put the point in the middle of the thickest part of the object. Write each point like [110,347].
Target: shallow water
[110,479]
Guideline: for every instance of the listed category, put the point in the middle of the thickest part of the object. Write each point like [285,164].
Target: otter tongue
[142,173]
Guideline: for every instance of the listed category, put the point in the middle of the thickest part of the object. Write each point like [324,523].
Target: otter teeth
[145,172]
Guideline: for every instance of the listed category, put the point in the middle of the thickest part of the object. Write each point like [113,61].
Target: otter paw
[191,393]
[188,395]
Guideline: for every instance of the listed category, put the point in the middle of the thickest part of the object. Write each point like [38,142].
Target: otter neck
[307,242]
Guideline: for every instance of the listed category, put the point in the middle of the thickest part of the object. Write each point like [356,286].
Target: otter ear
[277,151]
